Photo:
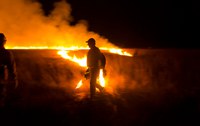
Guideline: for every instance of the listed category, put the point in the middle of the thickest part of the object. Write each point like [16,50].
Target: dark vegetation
[161,88]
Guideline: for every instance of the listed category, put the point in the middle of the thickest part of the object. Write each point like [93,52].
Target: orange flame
[80,83]
[101,78]
[64,52]
[82,62]
[63,48]
[117,51]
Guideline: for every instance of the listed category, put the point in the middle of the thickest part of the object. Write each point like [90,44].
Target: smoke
[24,24]
[121,73]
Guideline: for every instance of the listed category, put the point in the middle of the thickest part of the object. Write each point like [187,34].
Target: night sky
[138,23]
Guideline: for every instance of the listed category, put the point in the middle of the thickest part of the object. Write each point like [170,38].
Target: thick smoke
[24,24]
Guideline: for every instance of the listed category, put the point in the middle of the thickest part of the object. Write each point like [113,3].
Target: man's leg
[92,83]
[92,88]
[93,80]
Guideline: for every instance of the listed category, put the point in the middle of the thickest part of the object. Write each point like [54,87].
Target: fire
[80,83]
[80,61]
[46,47]
[117,51]
[101,78]
[64,53]
[111,50]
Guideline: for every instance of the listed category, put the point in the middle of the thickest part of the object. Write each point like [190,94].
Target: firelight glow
[64,53]
[101,78]
[80,83]
[111,50]
[82,62]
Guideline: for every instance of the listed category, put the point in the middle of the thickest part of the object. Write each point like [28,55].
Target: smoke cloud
[24,24]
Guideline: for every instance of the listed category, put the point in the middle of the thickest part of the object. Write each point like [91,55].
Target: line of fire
[82,62]
[77,55]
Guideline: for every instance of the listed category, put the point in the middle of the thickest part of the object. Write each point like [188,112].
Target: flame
[64,53]
[101,78]
[80,83]
[120,52]
[80,61]
[63,48]
[47,47]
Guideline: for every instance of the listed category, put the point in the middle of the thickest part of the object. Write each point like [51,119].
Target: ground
[161,87]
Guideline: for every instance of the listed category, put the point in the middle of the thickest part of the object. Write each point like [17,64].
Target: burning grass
[152,88]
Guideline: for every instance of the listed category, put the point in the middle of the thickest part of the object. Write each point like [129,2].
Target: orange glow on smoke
[34,30]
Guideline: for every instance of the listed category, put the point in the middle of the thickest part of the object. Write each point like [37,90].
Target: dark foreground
[161,88]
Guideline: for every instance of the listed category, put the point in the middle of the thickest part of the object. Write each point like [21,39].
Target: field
[154,87]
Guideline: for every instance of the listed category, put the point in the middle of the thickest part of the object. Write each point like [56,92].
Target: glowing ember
[80,83]
[101,78]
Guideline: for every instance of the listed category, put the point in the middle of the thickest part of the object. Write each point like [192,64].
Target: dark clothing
[94,64]
[93,58]
[8,79]
[94,73]
[7,61]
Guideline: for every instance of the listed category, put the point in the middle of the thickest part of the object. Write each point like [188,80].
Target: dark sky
[135,23]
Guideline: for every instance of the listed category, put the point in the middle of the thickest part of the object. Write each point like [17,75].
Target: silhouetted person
[94,64]
[8,81]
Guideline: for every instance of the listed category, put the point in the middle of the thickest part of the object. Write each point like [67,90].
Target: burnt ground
[161,87]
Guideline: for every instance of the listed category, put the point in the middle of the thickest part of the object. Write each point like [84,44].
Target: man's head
[91,42]
[2,39]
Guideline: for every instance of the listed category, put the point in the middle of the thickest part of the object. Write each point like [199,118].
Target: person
[94,65]
[8,78]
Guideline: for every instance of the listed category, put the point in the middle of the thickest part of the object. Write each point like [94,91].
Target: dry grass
[156,87]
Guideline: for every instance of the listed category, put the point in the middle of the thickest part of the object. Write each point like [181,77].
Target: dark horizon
[136,24]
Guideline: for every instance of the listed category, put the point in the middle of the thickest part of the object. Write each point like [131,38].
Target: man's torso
[93,57]
[4,63]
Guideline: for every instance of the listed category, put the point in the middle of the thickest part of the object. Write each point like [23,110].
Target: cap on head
[91,41]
